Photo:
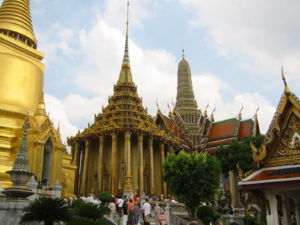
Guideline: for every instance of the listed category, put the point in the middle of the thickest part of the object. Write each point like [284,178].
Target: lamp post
[123,176]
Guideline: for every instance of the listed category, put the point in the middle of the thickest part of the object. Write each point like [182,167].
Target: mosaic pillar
[128,177]
[141,164]
[151,164]
[85,167]
[113,161]
[100,163]
[162,157]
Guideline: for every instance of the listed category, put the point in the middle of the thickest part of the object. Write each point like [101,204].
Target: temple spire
[40,112]
[125,74]
[21,162]
[185,99]
[15,21]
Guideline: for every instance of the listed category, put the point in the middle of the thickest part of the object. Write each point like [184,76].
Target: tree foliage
[238,152]
[192,177]
[105,196]
[47,210]
[207,214]
[249,220]
[87,213]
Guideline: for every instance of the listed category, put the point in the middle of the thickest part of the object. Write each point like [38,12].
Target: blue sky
[235,50]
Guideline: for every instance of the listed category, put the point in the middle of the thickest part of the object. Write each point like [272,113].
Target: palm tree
[86,213]
[47,210]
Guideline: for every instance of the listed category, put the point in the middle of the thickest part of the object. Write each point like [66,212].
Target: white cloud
[54,41]
[154,71]
[253,33]
[79,108]
[117,9]
[57,112]
[209,90]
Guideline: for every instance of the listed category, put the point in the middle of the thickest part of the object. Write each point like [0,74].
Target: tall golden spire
[15,21]
[125,74]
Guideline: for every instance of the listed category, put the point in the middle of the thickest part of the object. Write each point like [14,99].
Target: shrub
[105,196]
[249,220]
[207,214]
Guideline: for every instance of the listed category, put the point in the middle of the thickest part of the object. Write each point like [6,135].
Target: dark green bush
[249,220]
[87,213]
[105,196]
[207,214]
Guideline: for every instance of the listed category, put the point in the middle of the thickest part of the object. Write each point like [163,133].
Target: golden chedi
[21,95]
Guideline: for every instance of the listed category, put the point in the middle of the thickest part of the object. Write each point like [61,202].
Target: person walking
[131,208]
[147,212]
[137,214]
[162,218]
[112,207]
[157,211]
[125,212]
[120,204]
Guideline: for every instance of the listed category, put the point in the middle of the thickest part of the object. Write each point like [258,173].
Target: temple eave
[90,134]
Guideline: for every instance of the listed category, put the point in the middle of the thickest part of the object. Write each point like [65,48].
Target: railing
[176,220]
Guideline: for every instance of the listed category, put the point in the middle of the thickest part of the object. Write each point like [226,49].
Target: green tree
[249,220]
[105,197]
[87,213]
[207,214]
[192,177]
[238,152]
[47,210]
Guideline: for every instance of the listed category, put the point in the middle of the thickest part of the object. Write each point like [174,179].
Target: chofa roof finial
[286,88]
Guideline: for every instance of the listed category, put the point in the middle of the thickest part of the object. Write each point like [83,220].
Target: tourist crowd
[131,211]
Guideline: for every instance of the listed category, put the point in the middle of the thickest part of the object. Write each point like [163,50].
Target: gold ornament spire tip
[287,91]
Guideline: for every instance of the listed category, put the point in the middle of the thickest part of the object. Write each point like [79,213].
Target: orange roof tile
[223,129]
[245,129]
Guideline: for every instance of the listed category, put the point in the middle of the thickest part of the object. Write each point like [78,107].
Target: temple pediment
[287,150]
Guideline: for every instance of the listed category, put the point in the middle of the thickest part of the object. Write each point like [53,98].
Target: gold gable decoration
[282,138]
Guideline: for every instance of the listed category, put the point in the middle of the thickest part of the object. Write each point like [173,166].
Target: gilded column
[141,164]
[162,157]
[113,163]
[128,183]
[151,164]
[100,162]
[76,162]
[85,167]
[76,152]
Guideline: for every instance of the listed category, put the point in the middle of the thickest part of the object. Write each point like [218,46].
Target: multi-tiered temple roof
[125,110]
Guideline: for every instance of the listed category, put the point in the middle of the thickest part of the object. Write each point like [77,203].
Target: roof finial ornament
[257,110]
[240,113]
[283,77]
[205,112]
[157,105]
[287,91]
[212,114]
[183,55]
